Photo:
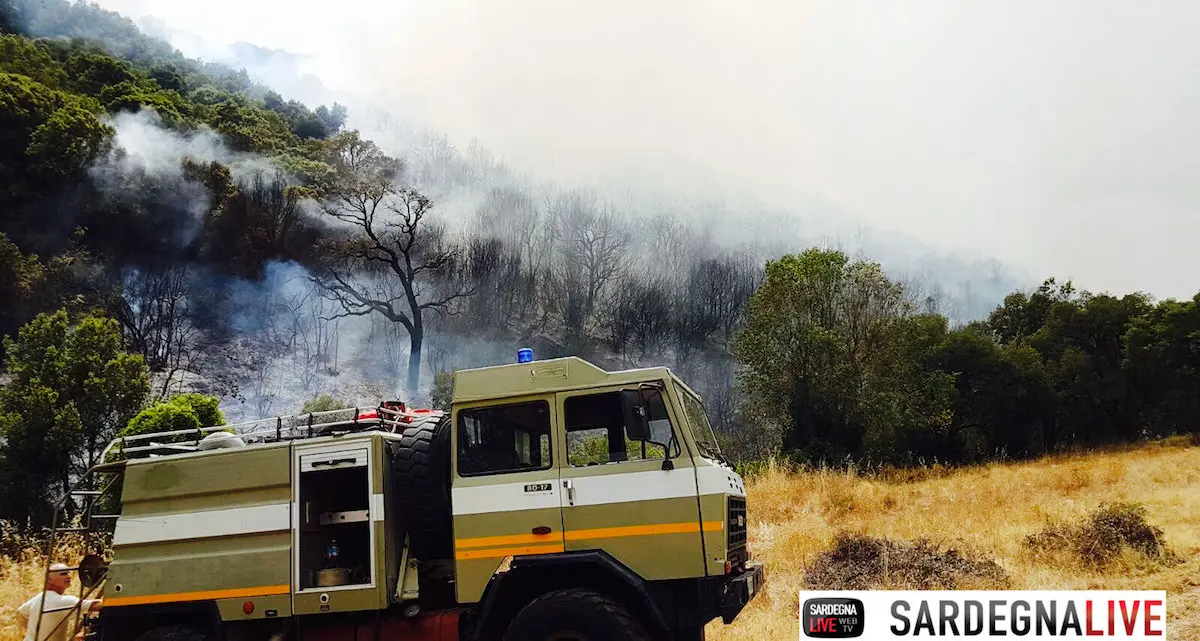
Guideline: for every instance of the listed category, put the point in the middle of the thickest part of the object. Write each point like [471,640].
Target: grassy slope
[989,509]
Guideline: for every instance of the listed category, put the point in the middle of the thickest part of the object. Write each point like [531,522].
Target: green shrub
[181,412]
[207,408]
[322,403]
[163,417]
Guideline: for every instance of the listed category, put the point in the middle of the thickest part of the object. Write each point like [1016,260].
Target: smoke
[1054,137]
[147,164]
[143,143]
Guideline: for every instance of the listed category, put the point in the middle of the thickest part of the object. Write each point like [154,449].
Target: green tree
[24,105]
[91,72]
[1002,400]
[19,55]
[71,389]
[67,143]
[827,350]
[1162,361]
[21,277]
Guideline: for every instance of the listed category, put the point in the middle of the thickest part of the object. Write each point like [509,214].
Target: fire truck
[553,501]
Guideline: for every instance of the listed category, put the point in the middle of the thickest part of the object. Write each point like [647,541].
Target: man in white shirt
[59,606]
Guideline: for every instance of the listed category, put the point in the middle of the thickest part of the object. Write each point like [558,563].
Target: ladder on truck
[81,501]
[103,481]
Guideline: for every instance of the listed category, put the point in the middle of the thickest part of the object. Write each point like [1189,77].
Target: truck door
[505,492]
[635,500]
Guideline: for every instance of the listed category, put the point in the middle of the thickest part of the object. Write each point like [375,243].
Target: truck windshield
[701,430]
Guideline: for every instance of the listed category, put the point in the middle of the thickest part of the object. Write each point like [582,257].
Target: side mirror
[92,570]
[637,425]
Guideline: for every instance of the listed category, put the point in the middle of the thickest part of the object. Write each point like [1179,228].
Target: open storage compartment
[334,503]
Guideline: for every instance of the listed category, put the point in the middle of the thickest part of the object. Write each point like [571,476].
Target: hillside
[795,518]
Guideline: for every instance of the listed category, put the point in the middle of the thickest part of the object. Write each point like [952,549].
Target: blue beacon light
[524,355]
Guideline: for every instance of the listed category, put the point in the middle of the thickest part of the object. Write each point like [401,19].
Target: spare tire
[421,471]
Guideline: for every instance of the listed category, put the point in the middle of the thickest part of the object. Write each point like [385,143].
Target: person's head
[59,578]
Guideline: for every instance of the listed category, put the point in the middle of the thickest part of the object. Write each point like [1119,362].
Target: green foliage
[46,136]
[169,77]
[163,417]
[25,104]
[836,362]
[443,391]
[91,72]
[32,59]
[68,142]
[132,96]
[322,403]
[180,412]
[71,389]
[207,408]
[832,356]
[21,277]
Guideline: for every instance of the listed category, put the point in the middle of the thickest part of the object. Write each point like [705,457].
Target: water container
[332,554]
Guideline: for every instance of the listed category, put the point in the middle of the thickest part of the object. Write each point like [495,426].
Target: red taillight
[248,607]
[728,567]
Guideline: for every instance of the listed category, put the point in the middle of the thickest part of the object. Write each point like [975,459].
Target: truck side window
[504,438]
[596,431]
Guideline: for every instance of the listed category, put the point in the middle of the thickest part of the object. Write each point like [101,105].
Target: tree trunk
[415,339]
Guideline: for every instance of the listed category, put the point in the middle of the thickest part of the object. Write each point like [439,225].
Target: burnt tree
[387,256]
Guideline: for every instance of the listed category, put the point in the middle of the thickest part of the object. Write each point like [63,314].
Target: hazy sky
[1061,137]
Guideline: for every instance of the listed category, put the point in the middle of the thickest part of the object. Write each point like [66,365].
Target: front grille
[737,522]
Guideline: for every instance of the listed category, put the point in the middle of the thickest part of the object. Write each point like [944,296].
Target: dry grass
[966,519]
[987,513]
[22,571]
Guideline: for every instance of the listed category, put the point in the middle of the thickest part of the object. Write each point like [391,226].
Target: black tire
[575,615]
[173,633]
[421,470]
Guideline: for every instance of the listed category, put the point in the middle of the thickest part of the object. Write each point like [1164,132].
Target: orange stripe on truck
[496,553]
[176,597]
[641,530]
[508,539]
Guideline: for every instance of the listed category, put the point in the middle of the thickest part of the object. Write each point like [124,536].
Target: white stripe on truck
[600,489]
[235,521]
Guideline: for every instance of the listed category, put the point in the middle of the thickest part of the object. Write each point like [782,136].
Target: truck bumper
[739,590]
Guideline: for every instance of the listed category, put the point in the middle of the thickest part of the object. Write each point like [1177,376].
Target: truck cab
[558,461]
[554,500]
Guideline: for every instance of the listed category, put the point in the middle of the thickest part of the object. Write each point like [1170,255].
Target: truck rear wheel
[575,615]
[421,469]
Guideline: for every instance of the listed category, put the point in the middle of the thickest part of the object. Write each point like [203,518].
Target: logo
[1030,615]
[831,618]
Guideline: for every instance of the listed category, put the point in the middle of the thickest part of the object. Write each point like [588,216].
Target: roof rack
[390,417]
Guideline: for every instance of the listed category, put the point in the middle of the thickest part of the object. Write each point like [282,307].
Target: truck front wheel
[575,615]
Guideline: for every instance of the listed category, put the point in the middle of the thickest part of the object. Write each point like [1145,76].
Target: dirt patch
[1102,537]
[860,562]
